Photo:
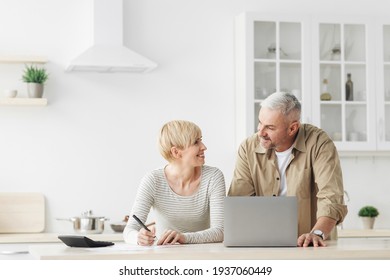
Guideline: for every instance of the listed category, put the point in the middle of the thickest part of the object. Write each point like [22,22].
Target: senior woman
[186,195]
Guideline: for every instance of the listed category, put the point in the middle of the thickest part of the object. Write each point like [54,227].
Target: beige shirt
[313,175]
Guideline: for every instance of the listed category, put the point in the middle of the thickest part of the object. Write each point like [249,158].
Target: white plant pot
[368,222]
[34,90]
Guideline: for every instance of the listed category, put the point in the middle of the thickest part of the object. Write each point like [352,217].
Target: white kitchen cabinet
[282,53]
[271,55]
[343,46]
[383,84]
[9,61]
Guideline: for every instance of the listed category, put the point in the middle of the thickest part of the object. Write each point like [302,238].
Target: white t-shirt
[283,161]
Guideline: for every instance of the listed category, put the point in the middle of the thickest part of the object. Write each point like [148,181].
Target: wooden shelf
[23,59]
[18,101]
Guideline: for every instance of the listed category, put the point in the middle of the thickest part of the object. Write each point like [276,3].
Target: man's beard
[266,143]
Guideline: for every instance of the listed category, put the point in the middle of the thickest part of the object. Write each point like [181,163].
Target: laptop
[261,221]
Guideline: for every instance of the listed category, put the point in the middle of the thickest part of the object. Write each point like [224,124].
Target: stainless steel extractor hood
[108,54]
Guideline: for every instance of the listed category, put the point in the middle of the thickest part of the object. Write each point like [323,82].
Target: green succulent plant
[368,211]
[34,74]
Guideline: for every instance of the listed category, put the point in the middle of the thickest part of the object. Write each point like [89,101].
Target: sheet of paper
[130,247]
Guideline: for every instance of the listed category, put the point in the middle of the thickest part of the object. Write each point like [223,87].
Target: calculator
[83,241]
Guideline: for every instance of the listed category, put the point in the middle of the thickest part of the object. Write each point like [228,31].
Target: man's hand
[307,239]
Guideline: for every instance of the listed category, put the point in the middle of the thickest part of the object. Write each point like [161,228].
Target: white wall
[94,141]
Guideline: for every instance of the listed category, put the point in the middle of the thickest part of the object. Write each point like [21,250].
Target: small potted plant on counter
[368,215]
[35,77]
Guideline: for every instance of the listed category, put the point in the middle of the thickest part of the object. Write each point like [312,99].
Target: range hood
[108,54]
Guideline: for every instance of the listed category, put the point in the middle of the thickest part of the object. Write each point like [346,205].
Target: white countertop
[352,244]
[343,248]
[6,238]
[352,233]
[15,246]
[52,237]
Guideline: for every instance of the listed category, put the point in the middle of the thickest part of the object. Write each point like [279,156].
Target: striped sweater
[199,216]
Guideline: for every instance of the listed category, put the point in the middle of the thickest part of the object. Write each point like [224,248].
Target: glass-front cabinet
[383,87]
[344,83]
[338,67]
[277,62]
[270,57]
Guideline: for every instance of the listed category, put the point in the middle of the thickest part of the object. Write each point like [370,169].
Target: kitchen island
[343,248]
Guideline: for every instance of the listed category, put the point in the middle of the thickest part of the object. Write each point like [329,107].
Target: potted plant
[368,215]
[35,77]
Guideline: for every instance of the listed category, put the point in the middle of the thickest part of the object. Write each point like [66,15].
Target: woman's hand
[146,238]
[171,237]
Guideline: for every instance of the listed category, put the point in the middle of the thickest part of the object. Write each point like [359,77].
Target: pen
[141,223]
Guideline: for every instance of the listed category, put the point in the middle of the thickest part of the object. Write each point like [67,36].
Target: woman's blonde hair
[178,133]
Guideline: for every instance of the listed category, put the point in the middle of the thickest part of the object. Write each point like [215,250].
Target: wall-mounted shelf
[19,101]
[23,59]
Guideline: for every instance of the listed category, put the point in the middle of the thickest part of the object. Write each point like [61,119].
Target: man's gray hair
[286,103]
